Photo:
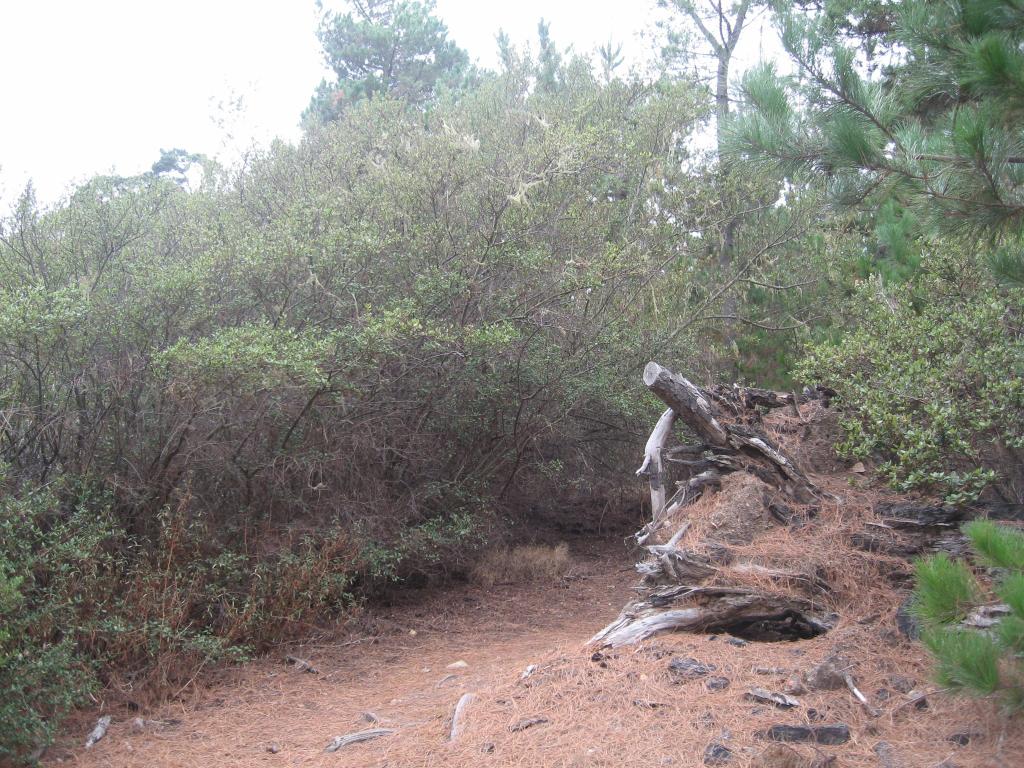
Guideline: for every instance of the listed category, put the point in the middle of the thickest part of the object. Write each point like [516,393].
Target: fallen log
[740,612]
[99,731]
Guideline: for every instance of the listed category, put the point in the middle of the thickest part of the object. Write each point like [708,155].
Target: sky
[100,86]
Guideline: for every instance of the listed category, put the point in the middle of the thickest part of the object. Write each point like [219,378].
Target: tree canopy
[395,48]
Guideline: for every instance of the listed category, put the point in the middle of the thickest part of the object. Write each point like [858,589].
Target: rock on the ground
[819,734]
[887,757]
[460,664]
[901,683]
[829,675]
[689,668]
[717,683]
[717,754]
[906,623]
[963,738]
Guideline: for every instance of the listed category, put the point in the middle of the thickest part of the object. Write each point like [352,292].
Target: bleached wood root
[743,447]
[354,738]
[99,731]
[459,716]
[654,465]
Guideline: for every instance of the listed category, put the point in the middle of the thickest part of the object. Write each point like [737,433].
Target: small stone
[138,724]
[829,675]
[716,683]
[820,734]
[739,642]
[814,715]
[273,747]
[883,694]
[689,668]
[371,717]
[717,754]
[460,664]
[901,683]
[906,623]
[886,755]
[963,738]
[487,748]
[859,468]
[919,699]
[412,633]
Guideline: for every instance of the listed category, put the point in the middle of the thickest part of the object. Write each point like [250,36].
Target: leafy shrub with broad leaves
[932,380]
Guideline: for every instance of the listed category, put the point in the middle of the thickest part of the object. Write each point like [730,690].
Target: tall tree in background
[549,59]
[394,48]
[720,25]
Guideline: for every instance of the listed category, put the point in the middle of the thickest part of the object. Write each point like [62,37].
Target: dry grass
[523,565]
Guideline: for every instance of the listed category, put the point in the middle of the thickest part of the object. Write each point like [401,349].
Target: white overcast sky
[94,86]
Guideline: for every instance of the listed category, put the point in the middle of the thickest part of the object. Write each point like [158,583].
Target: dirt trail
[399,674]
[610,710]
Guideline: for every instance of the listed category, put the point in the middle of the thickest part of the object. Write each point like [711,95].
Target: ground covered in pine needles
[543,697]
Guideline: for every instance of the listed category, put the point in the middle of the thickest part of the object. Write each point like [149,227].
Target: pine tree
[395,48]
[986,661]
[924,109]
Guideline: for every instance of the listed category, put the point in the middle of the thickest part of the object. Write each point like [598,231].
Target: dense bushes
[932,380]
[85,603]
[225,412]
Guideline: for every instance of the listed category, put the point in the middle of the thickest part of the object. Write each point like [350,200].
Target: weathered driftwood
[99,731]
[909,528]
[354,738]
[459,716]
[713,609]
[764,696]
[653,465]
[724,422]
[728,447]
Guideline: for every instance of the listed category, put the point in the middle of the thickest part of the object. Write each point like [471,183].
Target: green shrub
[981,662]
[83,603]
[49,571]
[932,381]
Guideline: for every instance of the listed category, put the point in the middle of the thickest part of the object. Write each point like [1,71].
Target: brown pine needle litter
[395,670]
